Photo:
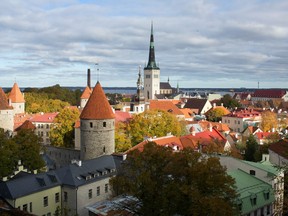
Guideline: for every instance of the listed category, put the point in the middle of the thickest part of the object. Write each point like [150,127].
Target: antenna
[97,68]
[258,84]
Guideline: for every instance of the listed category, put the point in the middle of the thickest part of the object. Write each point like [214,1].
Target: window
[98,191]
[30,207]
[45,201]
[42,126]
[104,124]
[148,76]
[104,149]
[25,207]
[47,134]
[91,124]
[57,197]
[253,201]
[268,209]
[90,193]
[65,196]
[238,122]
[252,172]
[155,75]
[266,195]
[106,188]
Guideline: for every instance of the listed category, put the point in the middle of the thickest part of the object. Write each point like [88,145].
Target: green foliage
[229,102]
[8,156]
[153,123]
[62,131]
[251,149]
[25,146]
[29,148]
[175,183]
[214,115]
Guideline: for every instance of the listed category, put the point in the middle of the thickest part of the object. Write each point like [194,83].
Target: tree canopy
[215,115]
[62,131]
[25,146]
[229,102]
[269,121]
[175,183]
[153,123]
[251,150]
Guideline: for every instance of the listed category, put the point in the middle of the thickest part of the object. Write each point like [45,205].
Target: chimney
[88,78]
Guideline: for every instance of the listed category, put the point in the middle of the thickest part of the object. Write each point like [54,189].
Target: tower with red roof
[17,99]
[97,126]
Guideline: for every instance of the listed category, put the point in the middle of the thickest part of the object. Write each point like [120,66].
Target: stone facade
[97,138]
[7,119]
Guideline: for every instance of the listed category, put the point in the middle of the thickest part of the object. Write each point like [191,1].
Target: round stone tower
[97,126]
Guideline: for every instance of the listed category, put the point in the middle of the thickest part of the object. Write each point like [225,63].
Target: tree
[62,131]
[29,149]
[215,115]
[122,141]
[8,155]
[229,102]
[153,123]
[251,149]
[269,121]
[175,183]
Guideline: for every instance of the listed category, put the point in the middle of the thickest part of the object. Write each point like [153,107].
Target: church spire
[151,61]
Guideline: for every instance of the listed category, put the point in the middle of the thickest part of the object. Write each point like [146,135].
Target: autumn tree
[62,130]
[153,123]
[175,183]
[122,141]
[269,121]
[215,115]
[29,149]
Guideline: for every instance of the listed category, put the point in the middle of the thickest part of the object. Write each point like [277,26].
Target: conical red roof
[15,95]
[97,106]
[4,101]
[86,93]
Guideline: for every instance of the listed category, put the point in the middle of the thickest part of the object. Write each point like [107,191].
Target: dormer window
[252,172]
[253,199]
[266,195]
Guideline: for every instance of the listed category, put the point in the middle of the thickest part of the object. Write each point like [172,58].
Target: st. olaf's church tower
[151,73]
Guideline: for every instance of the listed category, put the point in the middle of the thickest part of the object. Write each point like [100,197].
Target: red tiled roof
[15,95]
[168,141]
[269,93]
[44,117]
[19,119]
[187,112]
[4,101]
[244,113]
[219,126]
[97,106]
[26,125]
[121,116]
[263,135]
[86,93]
[165,105]
[280,147]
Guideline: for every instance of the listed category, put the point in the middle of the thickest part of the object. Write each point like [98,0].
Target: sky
[198,43]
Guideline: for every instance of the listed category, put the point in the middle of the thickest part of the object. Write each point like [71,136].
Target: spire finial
[97,68]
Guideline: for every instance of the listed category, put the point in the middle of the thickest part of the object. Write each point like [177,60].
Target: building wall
[77,134]
[37,202]
[97,138]
[18,108]
[151,83]
[43,130]
[236,124]
[83,102]
[7,119]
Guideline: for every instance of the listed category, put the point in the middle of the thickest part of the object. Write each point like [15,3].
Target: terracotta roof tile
[165,105]
[121,116]
[168,141]
[4,101]
[187,112]
[15,95]
[269,93]
[86,93]
[280,147]
[97,106]
[26,125]
[44,117]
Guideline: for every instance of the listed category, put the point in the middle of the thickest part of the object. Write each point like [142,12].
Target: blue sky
[199,43]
